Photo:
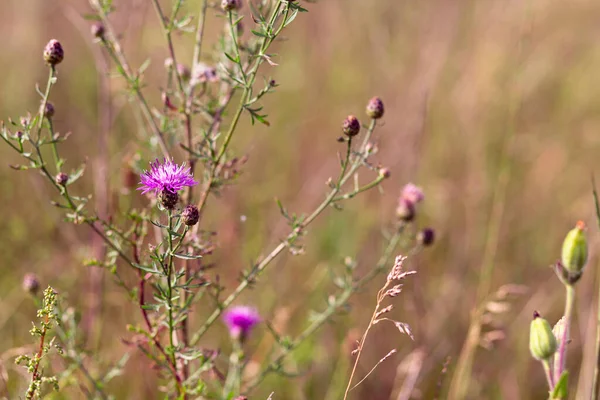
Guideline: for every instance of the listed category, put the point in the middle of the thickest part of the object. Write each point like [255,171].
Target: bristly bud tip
[49,110]
[405,210]
[351,126]
[385,172]
[61,179]
[426,237]
[190,215]
[168,199]
[375,108]
[53,53]
[230,5]
[31,284]
[98,30]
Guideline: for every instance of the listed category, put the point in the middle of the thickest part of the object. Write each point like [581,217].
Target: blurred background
[492,107]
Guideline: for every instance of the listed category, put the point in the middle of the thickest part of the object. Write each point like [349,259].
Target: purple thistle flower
[412,193]
[240,320]
[167,176]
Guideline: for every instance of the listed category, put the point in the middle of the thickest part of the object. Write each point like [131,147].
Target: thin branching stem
[292,236]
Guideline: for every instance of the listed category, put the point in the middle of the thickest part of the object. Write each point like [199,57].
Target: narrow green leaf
[561,389]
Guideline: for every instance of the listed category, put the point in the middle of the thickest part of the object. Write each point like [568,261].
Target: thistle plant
[159,254]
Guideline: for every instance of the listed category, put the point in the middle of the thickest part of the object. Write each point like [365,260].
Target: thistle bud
[98,30]
[48,110]
[168,199]
[426,237]
[190,215]
[53,53]
[230,5]
[168,63]
[574,250]
[542,342]
[31,284]
[61,179]
[385,172]
[405,210]
[375,108]
[351,126]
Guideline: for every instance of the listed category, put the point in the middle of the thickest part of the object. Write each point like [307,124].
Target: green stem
[44,103]
[561,361]
[548,372]
[232,383]
[169,273]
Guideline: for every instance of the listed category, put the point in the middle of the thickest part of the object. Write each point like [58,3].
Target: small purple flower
[240,320]
[412,193]
[167,176]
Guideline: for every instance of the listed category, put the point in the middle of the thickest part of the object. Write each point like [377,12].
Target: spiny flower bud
[426,237]
[230,5]
[385,172]
[53,52]
[49,110]
[351,126]
[168,199]
[405,210]
[61,179]
[574,249]
[98,30]
[190,215]
[375,108]
[31,284]
[542,342]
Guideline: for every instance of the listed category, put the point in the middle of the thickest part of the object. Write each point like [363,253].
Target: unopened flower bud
[426,237]
[53,52]
[184,72]
[574,250]
[351,126]
[168,63]
[405,210]
[230,5]
[168,199]
[385,172]
[375,108]
[542,342]
[190,215]
[31,284]
[49,110]
[61,179]
[98,30]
